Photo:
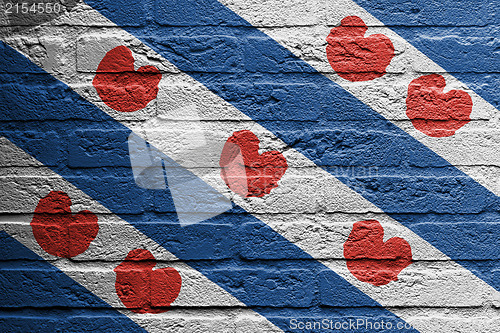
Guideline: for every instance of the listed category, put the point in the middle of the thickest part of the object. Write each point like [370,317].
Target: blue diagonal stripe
[47,119]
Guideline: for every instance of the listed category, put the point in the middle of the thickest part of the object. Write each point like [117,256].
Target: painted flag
[228,167]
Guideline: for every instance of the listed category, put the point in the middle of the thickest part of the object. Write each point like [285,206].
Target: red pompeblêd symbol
[245,171]
[142,289]
[372,260]
[58,231]
[434,112]
[355,57]
[120,86]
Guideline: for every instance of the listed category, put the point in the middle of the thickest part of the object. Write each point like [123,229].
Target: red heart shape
[245,171]
[355,57]
[142,289]
[433,112]
[59,232]
[372,260]
[120,86]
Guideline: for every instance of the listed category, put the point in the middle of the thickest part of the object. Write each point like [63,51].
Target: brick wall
[277,260]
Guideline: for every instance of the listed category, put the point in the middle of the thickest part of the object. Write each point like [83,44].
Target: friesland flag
[249,166]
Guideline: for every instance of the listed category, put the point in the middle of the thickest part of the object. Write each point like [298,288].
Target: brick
[276,62]
[92,47]
[180,101]
[52,94]
[207,53]
[23,188]
[39,141]
[13,156]
[27,284]
[177,13]
[479,324]
[418,285]
[467,49]
[271,288]
[323,236]
[265,15]
[480,236]
[99,148]
[432,13]
[196,290]
[15,321]
[115,10]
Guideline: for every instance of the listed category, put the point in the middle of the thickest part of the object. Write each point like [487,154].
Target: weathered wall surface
[309,164]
